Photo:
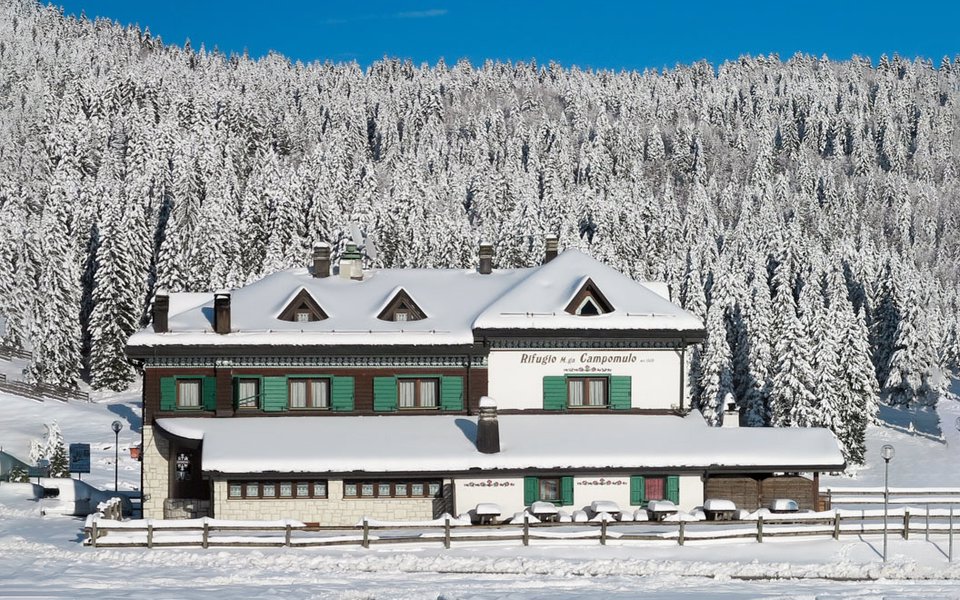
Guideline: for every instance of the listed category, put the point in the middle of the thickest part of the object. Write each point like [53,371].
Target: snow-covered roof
[385,444]
[456,302]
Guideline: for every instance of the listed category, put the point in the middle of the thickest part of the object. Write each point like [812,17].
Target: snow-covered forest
[808,209]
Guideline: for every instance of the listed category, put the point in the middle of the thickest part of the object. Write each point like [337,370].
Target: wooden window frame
[646,487]
[303,302]
[417,401]
[392,484]
[589,290]
[310,379]
[401,303]
[558,482]
[586,379]
[199,382]
[314,489]
[259,394]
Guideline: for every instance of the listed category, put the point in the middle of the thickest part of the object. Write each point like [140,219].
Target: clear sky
[611,35]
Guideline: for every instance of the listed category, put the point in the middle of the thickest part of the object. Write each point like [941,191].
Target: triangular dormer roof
[302,303]
[589,301]
[401,307]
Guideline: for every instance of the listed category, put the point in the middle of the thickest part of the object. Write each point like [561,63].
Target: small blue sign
[79,458]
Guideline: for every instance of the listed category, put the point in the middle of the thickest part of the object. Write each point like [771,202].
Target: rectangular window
[248,393]
[391,489]
[587,391]
[270,489]
[550,489]
[188,393]
[303,316]
[400,315]
[413,392]
[656,488]
[310,393]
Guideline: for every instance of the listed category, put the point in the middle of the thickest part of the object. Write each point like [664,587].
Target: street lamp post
[887,453]
[116,426]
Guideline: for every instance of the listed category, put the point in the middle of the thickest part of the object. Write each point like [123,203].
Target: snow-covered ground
[43,556]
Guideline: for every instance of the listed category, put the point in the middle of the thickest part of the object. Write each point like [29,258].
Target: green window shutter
[341,394]
[620,392]
[554,392]
[566,491]
[451,393]
[274,394]
[531,490]
[209,392]
[637,490]
[673,489]
[168,393]
[384,394]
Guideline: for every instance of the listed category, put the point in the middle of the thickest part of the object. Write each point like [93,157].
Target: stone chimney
[488,428]
[486,258]
[221,312]
[552,245]
[351,263]
[161,309]
[731,415]
[321,260]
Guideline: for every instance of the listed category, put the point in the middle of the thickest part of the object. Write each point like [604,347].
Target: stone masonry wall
[156,473]
[334,510]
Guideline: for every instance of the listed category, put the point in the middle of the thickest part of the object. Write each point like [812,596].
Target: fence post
[446,533]
[836,525]
[366,534]
[603,532]
[206,535]
[682,534]
[526,530]
[906,524]
[927,525]
[760,529]
[286,539]
[950,538]
[93,533]
[149,535]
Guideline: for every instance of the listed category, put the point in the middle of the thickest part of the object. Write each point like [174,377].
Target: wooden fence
[899,496]
[41,391]
[8,352]
[213,534]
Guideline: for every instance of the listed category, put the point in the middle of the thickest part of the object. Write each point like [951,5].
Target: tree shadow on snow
[912,421]
[125,412]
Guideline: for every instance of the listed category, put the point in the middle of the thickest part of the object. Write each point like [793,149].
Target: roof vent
[351,263]
[321,260]
[221,312]
[488,428]
[552,247]
[486,258]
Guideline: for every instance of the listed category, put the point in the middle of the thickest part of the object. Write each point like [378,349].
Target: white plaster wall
[516,376]
[156,473]
[505,491]
[588,489]
[691,492]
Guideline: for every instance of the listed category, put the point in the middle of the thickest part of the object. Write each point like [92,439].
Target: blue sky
[610,35]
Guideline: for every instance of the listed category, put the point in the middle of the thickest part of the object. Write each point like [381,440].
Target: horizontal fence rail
[42,391]
[209,533]
[846,496]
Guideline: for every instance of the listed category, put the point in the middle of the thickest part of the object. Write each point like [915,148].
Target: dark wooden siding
[742,491]
[793,487]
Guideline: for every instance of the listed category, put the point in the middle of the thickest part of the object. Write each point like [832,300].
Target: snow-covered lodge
[327,395]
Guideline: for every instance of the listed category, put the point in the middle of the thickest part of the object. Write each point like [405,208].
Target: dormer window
[302,309]
[589,301]
[401,308]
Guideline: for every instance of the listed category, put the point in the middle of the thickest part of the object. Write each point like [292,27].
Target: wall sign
[79,458]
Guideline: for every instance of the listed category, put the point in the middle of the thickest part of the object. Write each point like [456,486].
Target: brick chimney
[486,258]
[551,244]
[488,428]
[221,312]
[321,260]
[161,309]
